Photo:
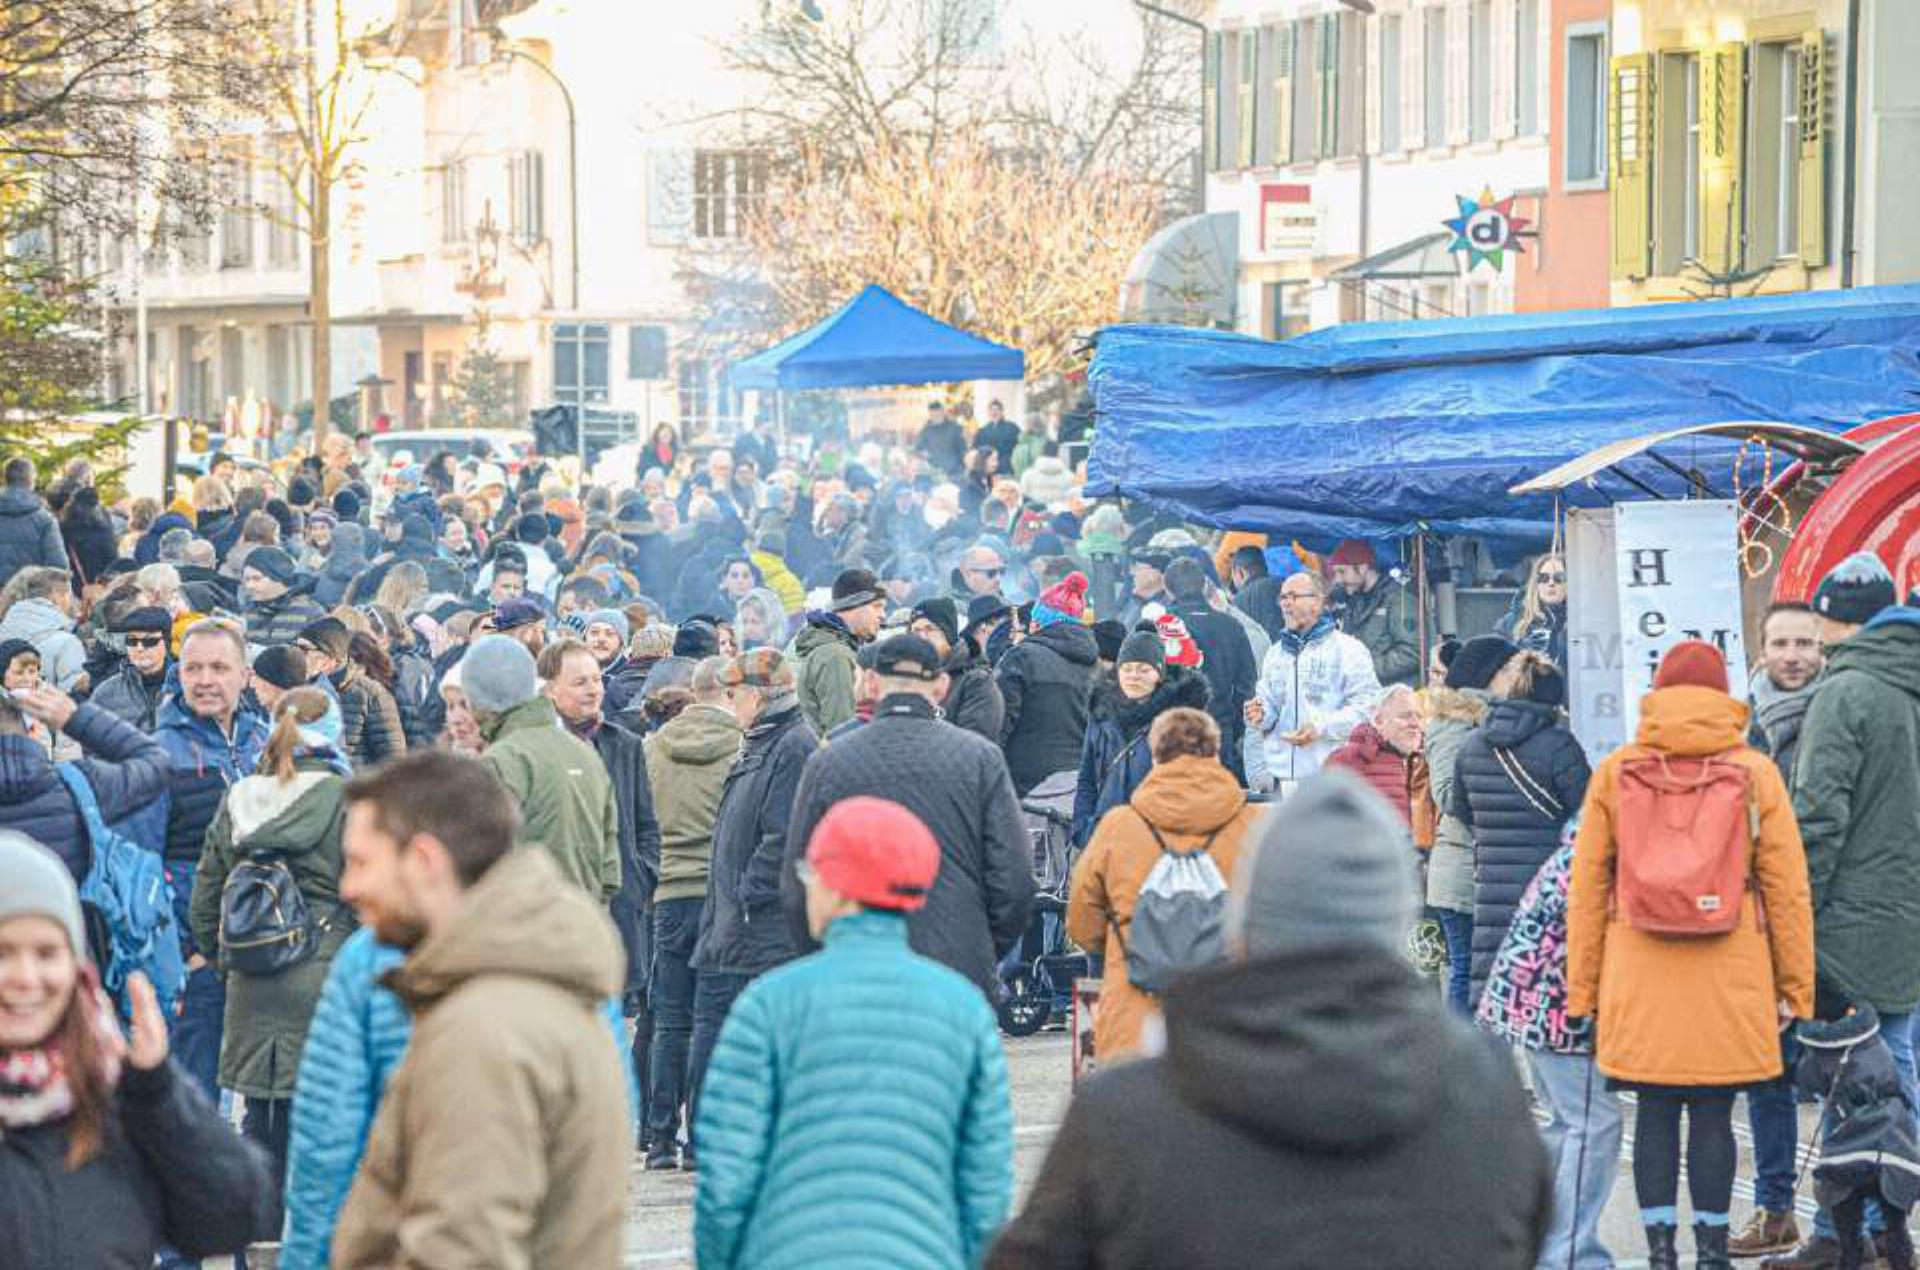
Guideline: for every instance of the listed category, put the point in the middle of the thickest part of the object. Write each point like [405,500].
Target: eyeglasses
[994,572]
[303,646]
[1551,576]
[145,641]
[1298,596]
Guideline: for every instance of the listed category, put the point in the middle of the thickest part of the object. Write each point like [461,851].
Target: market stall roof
[876,340]
[1376,429]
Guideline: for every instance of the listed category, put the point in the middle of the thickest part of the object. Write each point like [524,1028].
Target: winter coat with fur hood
[1452,715]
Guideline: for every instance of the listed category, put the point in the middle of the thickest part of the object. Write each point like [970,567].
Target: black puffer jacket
[89,533]
[1047,680]
[973,697]
[127,694]
[170,1171]
[1230,670]
[1403,1138]
[370,727]
[1116,757]
[1516,818]
[126,768]
[626,764]
[957,785]
[742,930]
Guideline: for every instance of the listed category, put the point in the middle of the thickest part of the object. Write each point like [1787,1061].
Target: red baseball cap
[876,852]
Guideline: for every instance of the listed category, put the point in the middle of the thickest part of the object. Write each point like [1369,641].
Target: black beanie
[1855,590]
[1479,660]
[943,613]
[300,492]
[1143,646]
[1108,636]
[696,639]
[282,665]
[346,505]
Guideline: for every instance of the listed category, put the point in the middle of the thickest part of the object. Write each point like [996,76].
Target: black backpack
[266,925]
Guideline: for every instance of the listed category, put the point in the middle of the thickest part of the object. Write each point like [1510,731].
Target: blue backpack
[127,886]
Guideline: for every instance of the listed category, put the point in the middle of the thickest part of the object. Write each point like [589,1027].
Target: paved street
[660,1219]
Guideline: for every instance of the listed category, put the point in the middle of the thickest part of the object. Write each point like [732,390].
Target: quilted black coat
[1517,781]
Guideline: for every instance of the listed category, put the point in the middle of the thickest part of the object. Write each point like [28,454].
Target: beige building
[1731,165]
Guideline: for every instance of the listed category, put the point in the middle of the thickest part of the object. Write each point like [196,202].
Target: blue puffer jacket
[358,1036]
[202,763]
[126,768]
[855,1113]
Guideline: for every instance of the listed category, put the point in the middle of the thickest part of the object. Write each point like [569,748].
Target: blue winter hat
[1282,563]
[610,617]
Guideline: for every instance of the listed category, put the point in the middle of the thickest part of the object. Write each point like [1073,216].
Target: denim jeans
[1457,927]
[676,926]
[1897,1031]
[713,996]
[1583,1139]
[196,1031]
[1774,1118]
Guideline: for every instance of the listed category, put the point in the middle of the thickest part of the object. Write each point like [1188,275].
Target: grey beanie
[1333,865]
[34,883]
[498,674]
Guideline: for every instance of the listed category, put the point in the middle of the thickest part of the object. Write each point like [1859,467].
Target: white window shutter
[1413,79]
[1459,73]
[1506,69]
[1543,74]
[1370,28]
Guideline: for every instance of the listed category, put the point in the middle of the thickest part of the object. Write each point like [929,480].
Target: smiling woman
[100,1129]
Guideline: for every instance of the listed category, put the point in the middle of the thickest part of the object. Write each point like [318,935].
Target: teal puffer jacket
[855,1114]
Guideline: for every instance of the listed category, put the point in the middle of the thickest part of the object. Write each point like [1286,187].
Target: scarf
[34,1088]
[1296,643]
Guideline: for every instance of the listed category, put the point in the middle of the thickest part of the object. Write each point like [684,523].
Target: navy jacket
[742,929]
[127,770]
[1116,757]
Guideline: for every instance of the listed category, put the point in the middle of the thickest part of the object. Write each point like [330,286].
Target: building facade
[1731,167]
[1344,142]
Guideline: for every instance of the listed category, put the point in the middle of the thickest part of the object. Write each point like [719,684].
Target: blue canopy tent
[1380,429]
[874,340]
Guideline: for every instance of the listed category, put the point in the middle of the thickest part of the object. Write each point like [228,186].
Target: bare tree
[1028,252]
[319,68]
[1000,180]
[105,100]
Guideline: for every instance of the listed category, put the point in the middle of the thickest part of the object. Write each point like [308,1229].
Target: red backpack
[1685,829]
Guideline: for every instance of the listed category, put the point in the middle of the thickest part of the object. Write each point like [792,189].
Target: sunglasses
[1550,576]
[989,573]
[145,641]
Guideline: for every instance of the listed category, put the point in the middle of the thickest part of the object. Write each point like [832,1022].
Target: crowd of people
[466,829]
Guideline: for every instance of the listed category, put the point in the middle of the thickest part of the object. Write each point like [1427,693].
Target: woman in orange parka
[1688,1022]
[1187,800]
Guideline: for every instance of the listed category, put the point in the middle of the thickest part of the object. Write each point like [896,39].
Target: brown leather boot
[1765,1233]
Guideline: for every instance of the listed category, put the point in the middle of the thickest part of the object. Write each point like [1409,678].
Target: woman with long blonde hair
[1537,622]
[292,809]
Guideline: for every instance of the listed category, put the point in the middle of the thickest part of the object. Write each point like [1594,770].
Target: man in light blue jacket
[864,1073]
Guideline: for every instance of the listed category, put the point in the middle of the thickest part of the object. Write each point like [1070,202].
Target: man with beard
[973,699]
[498,1141]
[1378,611]
[1791,658]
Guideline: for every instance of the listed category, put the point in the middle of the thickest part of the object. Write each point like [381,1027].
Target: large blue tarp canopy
[1381,428]
[874,340]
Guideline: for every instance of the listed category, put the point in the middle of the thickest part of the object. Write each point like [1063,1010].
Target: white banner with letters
[1677,569]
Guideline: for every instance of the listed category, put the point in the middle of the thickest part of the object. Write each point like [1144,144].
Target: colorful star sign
[1486,229]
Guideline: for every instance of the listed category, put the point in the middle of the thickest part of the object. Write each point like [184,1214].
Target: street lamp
[505,52]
